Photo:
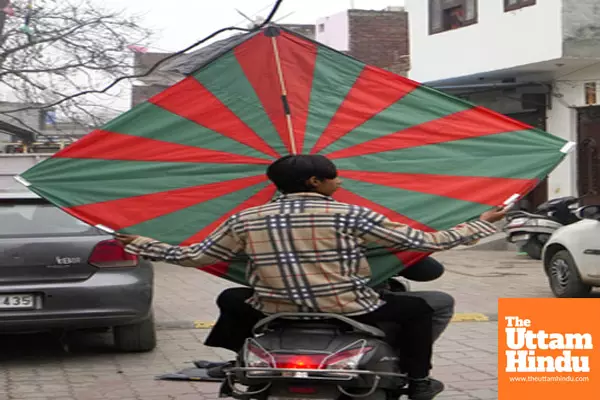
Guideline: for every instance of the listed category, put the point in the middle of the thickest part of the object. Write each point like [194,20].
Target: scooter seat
[318,321]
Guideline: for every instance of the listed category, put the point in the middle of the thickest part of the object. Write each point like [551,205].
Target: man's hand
[494,215]
[125,239]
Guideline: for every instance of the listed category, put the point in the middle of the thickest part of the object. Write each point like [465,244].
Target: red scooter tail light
[297,361]
[256,356]
[112,254]
[346,359]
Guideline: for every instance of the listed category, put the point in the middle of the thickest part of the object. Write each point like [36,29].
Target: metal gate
[588,160]
[540,194]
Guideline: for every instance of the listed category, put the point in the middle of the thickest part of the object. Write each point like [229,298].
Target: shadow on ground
[24,348]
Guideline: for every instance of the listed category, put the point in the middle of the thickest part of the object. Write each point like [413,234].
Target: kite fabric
[175,167]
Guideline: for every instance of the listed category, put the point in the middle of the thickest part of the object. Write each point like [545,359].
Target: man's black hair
[290,173]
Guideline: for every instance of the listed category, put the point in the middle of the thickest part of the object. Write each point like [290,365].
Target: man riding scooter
[307,254]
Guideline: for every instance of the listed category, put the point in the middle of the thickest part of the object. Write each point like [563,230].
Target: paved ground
[36,367]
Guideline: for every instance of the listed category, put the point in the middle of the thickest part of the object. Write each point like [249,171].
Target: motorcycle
[335,357]
[530,231]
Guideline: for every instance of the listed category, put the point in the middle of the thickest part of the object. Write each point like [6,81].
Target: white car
[572,255]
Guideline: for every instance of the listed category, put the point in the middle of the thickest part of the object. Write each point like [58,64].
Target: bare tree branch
[76,46]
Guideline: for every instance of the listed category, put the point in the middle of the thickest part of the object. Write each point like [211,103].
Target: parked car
[572,255]
[58,273]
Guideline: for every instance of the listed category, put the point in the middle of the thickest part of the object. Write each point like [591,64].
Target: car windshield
[22,218]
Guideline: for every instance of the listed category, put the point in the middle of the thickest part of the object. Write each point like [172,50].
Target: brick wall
[380,38]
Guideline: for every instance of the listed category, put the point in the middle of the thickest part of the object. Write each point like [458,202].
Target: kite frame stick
[568,147]
[288,117]
[105,228]
[21,180]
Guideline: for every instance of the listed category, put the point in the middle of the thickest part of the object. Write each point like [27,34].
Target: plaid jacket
[307,251]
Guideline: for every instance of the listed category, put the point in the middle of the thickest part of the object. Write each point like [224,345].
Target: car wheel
[564,277]
[139,337]
[533,248]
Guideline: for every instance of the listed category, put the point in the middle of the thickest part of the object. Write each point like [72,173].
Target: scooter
[530,231]
[335,357]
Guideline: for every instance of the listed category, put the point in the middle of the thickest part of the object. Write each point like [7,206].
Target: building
[307,30]
[19,125]
[36,128]
[376,37]
[150,85]
[535,60]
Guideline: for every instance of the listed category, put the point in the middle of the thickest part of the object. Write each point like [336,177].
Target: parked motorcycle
[332,358]
[530,231]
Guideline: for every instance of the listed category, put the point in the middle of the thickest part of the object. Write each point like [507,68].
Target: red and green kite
[176,166]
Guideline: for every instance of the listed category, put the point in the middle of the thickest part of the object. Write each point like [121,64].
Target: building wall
[303,29]
[141,93]
[380,38]
[333,31]
[499,40]
[569,94]
[581,28]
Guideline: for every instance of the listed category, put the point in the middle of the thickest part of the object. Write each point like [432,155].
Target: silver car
[58,273]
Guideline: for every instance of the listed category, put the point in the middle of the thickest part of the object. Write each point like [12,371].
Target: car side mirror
[589,212]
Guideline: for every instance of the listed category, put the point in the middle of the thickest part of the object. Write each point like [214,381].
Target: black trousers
[413,341]
[426,270]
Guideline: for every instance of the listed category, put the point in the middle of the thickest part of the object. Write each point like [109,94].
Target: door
[538,195]
[588,160]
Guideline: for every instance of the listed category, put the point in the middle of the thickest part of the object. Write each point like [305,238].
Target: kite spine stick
[288,116]
[567,148]
[22,181]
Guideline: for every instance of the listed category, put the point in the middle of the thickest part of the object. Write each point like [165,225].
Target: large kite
[175,167]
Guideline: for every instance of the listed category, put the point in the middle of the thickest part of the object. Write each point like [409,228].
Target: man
[426,270]
[307,254]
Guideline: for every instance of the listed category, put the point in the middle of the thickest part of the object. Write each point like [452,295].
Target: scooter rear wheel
[533,248]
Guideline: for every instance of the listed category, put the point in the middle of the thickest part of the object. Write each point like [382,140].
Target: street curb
[205,325]
[474,317]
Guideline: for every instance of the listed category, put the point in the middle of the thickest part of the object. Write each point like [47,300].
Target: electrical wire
[272,13]
[577,70]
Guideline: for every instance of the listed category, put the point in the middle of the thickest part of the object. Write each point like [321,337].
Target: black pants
[426,270]
[413,341]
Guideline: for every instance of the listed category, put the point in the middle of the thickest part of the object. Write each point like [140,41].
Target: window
[511,5]
[35,218]
[321,28]
[48,119]
[446,15]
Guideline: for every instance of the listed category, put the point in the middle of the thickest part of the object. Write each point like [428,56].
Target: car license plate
[16,301]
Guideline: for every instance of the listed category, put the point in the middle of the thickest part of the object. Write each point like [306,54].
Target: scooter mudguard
[521,229]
